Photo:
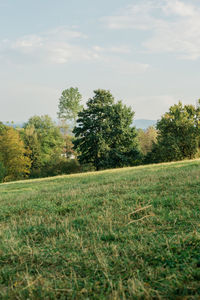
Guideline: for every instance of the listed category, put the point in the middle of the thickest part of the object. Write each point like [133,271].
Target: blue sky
[146,52]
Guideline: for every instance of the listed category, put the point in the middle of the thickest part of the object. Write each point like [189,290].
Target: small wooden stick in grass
[139,209]
[134,221]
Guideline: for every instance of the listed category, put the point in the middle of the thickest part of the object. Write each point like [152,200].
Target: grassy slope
[73,236]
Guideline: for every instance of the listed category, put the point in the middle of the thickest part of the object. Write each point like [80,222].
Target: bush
[2,172]
[58,167]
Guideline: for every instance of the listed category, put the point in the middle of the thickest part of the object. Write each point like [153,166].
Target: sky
[146,52]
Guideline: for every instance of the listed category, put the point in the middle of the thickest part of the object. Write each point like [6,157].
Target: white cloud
[61,45]
[179,8]
[173,25]
[56,46]
[122,49]
[27,44]
[132,17]
[65,33]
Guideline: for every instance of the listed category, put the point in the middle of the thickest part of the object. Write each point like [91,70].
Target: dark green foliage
[2,171]
[48,147]
[104,136]
[48,135]
[178,134]
[43,137]
[61,165]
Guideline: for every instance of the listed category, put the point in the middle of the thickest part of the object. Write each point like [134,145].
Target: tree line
[95,137]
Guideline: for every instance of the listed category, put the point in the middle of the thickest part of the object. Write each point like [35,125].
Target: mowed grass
[132,233]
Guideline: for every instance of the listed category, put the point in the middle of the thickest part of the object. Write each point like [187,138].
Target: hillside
[131,233]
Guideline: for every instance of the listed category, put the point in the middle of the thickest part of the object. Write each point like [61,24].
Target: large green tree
[69,104]
[104,135]
[178,134]
[44,138]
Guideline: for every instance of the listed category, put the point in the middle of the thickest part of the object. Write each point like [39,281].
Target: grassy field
[132,233]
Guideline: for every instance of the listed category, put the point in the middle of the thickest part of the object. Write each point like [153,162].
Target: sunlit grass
[131,233]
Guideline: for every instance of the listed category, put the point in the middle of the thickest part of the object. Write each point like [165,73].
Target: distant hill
[20,124]
[139,123]
[143,123]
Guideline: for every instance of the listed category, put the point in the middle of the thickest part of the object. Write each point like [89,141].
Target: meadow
[131,233]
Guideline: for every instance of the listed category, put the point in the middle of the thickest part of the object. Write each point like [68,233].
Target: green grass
[77,237]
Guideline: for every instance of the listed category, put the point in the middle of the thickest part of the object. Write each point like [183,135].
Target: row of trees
[99,136]
[40,148]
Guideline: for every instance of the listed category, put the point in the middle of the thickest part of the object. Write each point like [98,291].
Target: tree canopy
[44,138]
[178,133]
[104,136]
[15,163]
[69,104]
